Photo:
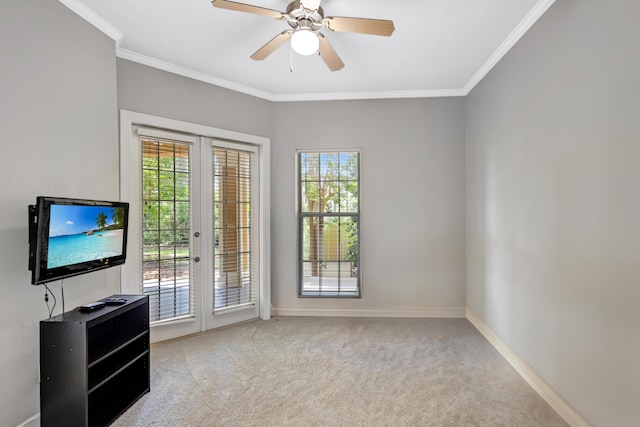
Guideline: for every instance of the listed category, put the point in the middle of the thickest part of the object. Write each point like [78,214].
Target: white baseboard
[26,423]
[442,312]
[528,374]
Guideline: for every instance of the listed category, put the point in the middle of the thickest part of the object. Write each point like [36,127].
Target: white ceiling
[439,47]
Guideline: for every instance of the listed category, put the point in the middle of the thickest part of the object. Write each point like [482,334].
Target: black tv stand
[94,365]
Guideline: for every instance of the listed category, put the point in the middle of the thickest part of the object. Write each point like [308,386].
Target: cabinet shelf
[117,371]
[94,365]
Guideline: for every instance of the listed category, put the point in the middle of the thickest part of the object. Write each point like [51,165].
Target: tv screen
[68,237]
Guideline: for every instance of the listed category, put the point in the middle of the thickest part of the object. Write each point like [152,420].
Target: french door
[198,248]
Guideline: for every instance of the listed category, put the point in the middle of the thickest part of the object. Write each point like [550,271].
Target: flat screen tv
[68,237]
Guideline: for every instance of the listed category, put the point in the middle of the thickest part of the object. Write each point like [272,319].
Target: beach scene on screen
[84,233]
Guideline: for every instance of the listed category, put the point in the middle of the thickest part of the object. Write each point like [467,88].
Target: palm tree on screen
[101,221]
[117,215]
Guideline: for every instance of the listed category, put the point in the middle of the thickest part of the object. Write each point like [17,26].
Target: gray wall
[553,204]
[412,202]
[417,145]
[151,91]
[58,135]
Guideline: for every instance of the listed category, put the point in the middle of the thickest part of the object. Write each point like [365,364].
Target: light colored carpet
[304,371]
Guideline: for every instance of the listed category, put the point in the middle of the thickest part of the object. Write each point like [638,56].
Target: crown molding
[91,17]
[227,84]
[523,26]
[335,96]
[187,72]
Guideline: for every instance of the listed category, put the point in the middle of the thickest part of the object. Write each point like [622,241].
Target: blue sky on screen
[70,219]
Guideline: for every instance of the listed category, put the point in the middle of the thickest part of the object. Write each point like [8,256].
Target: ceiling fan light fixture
[306,18]
[304,41]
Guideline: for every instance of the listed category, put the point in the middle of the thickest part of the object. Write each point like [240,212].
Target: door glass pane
[234,270]
[166,251]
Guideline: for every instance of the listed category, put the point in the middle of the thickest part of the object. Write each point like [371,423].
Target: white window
[328,223]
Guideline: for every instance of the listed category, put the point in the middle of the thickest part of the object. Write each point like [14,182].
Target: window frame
[301,215]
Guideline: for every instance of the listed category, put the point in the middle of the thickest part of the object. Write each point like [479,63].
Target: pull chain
[290,58]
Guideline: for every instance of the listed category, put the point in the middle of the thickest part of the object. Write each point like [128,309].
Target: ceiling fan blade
[378,27]
[272,45]
[241,7]
[311,5]
[329,55]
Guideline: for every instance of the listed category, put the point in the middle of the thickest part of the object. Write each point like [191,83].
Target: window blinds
[166,217]
[234,256]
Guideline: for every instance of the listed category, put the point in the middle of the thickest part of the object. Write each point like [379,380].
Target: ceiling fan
[306,18]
